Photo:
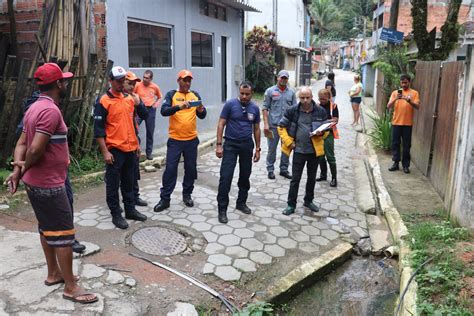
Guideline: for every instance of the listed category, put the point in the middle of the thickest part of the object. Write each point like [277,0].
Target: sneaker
[285,174]
[119,222]
[271,175]
[313,207]
[288,210]
[222,217]
[140,202]
[406,170]
[188,201]
[77,247]
[135,215]
[333,183]
[394,167]
[243,208]
[149,157]
[161,206]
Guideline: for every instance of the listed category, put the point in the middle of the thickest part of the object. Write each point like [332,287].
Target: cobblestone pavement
[249,241]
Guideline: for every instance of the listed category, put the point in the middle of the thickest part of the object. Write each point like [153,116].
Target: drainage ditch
[361,286]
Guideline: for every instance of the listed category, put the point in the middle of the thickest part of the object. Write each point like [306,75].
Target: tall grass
[381,134]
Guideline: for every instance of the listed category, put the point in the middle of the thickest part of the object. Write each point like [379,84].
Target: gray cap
[283,73]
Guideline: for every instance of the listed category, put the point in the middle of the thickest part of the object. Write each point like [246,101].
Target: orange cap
[185,73]
[132,77]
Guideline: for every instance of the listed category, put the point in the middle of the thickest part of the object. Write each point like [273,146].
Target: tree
[325,14]
[261,69]
[426,41]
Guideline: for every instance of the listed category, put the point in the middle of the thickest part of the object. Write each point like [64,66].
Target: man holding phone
[182,106]
[403,101]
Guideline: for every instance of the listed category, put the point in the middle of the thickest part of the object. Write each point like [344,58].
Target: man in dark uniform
[114,129]
[241,118]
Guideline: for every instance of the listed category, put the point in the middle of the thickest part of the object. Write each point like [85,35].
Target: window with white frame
[149,45]
[201,49]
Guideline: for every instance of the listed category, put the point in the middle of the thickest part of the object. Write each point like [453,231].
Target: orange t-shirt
[148,94]
[402,110]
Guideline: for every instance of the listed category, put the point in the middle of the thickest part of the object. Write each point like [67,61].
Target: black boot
[222,216]
[323,176]
[333,183]
[394,167]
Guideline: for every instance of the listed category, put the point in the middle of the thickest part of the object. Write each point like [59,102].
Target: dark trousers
[136,169]
[299,161]
[174,149]
[120,174]
[401,135]
[150,129]
[244,151]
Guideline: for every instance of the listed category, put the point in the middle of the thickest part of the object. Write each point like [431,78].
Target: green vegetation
[341,19]
[3,175]
[427,48]
[256,309]
[392,62]
[262,67]
[90,163]
[441,281]
[381,134]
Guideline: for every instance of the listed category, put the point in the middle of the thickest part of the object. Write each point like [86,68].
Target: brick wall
[28,16]
[437,13]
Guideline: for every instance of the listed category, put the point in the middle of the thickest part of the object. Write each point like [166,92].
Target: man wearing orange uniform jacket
[404,101]
[182,106]
[130,82]
[114,129]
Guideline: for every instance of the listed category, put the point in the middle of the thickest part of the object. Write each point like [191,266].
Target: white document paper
[322,128]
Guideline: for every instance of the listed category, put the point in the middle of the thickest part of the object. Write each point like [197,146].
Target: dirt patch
[465,252]
[411,193]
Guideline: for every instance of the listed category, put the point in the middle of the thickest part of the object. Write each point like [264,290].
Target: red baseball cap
[50,72]
[185,73]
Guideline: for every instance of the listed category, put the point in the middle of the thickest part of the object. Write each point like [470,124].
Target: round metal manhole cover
[159,241]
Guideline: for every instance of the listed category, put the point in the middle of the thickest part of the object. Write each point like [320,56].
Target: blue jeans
[244,151]
[150,129]
[271,155]
[188,148]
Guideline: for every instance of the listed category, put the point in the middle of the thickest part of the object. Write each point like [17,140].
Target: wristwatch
[218,144]
[258,149]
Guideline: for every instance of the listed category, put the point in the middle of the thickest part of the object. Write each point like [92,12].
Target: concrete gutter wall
[397,227]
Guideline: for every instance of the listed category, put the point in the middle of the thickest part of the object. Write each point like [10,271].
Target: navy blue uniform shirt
[240,119]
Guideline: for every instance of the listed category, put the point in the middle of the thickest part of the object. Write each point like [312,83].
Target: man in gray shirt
[277,100]
[295,128]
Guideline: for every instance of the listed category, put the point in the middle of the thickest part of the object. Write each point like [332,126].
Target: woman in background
[355,93]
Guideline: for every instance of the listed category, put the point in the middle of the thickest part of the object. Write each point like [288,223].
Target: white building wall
[289,24]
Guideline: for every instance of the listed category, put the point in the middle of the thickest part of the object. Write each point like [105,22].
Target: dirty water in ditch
[362,286]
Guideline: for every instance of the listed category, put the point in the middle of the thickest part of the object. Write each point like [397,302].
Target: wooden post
[85,100]
[16,109]
[11,15]
[72,68]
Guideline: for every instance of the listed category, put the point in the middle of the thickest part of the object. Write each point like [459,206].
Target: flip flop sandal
[77,278]
[84,301]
